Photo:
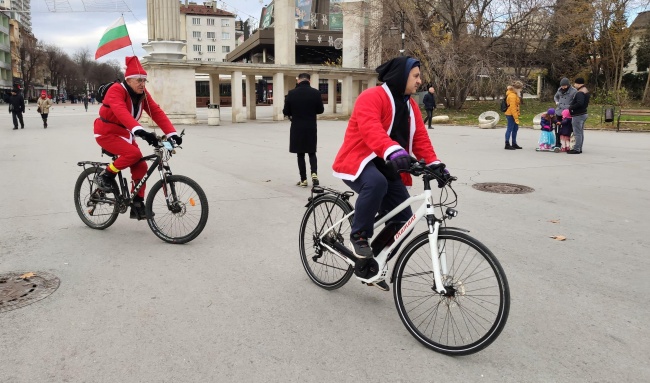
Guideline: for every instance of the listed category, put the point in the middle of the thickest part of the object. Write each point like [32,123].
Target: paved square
[236,305]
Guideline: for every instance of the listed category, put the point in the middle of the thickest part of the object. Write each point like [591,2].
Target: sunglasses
[141,80]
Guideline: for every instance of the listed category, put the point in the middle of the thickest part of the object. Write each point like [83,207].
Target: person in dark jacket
[429,101]
[17,103]
[562,98]
[578,109]
[301,105]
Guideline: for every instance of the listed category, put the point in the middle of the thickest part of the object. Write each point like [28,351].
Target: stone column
[238,111]
[371,82]
[251,107]
[347,97]
[164,30]
[215,95]
[278,96]
[331,95]
[284,32]
[177,98]
[315,79]
[353,34]
[356,89]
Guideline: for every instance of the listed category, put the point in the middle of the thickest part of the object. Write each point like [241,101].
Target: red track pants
[129,155]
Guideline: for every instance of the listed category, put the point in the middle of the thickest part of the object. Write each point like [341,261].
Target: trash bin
[214,114]
[609,115]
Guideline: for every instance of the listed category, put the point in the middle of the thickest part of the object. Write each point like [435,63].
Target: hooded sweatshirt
[395,74]
[380,125]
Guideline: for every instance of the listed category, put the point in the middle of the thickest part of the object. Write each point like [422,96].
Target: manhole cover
[502,188]
[21,289]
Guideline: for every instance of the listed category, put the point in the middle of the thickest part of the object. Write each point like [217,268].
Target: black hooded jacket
[395,75]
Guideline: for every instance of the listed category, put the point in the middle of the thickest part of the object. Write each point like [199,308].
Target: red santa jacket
[116,116]
[368,135]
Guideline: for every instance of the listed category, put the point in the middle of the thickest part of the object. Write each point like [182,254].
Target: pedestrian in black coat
[301,105]
[429,102]
[17,105]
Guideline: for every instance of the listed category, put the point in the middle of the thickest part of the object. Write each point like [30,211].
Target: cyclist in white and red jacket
[117,126]
[386,124]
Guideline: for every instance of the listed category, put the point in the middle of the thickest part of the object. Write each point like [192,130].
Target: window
[196,34]
[196,48]
[225,35]
[212,59]
[210,21]
[225,22]
[212,48]
[197,59]
[196,21]
[210,35]
[225,49]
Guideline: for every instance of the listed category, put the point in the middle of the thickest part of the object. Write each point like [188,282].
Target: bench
[632,112]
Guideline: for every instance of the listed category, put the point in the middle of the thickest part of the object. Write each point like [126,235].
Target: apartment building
[208,30]
[5,53]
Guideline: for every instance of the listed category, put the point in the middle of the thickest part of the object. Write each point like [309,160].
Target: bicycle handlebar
[419,168]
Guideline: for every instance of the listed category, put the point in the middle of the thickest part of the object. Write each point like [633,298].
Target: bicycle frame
[159,158]
[426,210]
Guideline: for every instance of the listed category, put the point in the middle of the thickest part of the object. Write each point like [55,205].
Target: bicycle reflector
[192,202]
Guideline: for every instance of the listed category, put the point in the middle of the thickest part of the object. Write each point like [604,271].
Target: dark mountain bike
[176,207]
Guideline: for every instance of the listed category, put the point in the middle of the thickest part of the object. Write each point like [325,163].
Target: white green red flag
[115,37]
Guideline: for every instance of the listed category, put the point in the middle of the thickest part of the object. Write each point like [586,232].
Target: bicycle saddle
[104,151]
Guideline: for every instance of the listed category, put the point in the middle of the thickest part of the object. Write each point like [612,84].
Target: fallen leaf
[558,237]
[554,221]
[27,275]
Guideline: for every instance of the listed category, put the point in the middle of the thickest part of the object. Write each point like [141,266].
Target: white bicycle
[449,289]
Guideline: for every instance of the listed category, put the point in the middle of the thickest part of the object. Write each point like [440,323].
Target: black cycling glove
[147,136]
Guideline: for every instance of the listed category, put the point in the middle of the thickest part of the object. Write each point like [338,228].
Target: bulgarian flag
[115,37]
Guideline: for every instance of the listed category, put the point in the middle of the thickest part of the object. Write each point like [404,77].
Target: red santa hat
[133,68]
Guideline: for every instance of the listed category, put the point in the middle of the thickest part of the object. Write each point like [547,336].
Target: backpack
[504,105]
[103,89]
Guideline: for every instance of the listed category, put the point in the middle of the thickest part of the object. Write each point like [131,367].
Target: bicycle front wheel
[178,210]
[324,268]
[473,311]
[96,208]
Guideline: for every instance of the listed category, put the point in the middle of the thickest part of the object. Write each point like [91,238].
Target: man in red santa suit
[117,126]
[386,124]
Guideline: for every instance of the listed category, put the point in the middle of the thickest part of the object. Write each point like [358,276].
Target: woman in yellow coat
[513,100]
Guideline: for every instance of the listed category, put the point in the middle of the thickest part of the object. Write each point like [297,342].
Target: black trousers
[302,166]
[18,116]
[429,115]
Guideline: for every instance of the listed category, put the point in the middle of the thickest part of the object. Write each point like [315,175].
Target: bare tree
[31,56]
[55,61]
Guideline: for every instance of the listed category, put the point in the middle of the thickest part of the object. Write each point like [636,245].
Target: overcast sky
[72,27]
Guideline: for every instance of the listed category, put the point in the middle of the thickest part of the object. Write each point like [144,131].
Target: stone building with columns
[172,76]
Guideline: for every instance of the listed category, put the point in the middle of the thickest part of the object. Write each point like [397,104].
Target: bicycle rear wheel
[324,268]
[177,212]
[93,206]
[471,315]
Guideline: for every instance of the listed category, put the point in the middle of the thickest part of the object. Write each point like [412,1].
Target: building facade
[21,11]
[5,53]
[208,30]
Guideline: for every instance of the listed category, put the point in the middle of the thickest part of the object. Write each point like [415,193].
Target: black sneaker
[381,285]
[361,247]
[105,181]
[573,151]
[516,146]
[138,210]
